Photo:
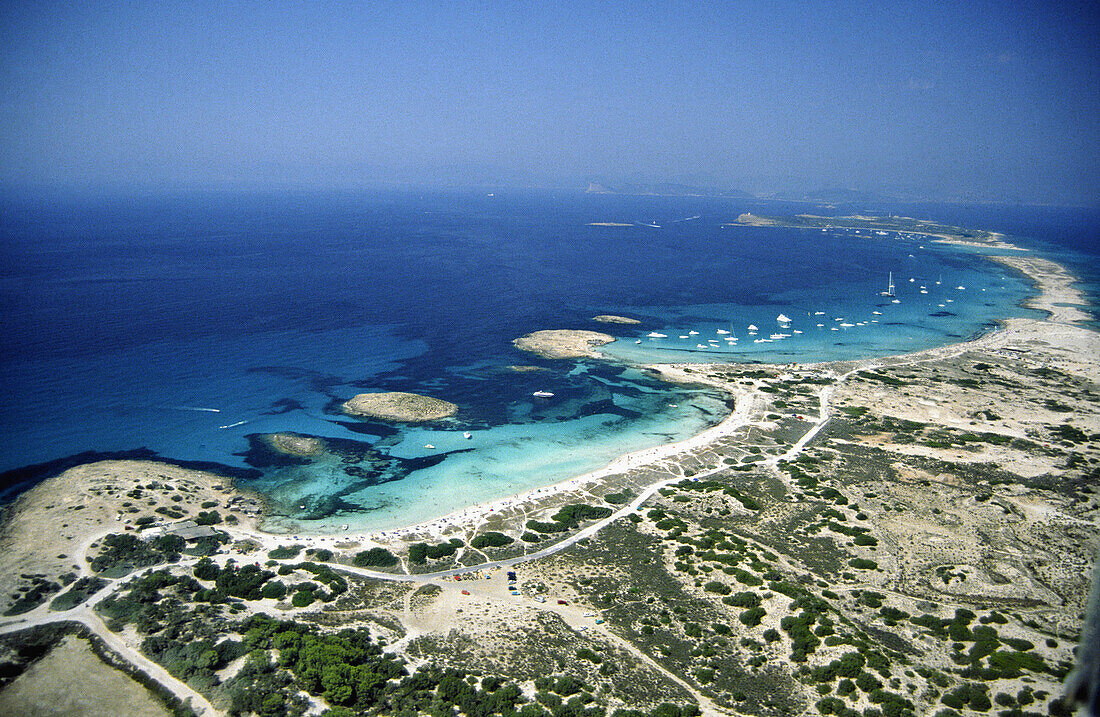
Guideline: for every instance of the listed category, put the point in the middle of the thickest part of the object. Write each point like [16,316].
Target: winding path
[746,401]
[85,614]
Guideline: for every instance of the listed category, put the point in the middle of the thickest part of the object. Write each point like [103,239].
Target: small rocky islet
[399,406]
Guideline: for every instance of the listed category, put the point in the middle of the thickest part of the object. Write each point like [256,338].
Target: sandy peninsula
[753,220]
[400,407]
[563,343]
[1059,297]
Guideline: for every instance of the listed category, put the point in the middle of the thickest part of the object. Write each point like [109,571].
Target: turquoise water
[125,318]
[943,294]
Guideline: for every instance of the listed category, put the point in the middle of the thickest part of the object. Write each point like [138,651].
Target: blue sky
[980,100]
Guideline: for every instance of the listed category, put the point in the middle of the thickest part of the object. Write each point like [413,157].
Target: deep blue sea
[184,326]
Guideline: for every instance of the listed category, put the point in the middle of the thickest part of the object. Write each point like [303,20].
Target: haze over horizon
[982,101]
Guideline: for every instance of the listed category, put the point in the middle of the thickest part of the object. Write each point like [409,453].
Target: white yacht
[890,287]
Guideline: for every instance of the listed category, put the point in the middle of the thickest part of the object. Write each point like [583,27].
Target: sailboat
[889,289]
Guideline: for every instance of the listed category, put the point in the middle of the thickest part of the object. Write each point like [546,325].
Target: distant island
[883,226]
[665,189]
[612,319]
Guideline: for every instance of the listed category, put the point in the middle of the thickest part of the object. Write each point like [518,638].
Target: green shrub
[744,599]
[274,590]
[619,498]
[586,654]
[285,551]
[867,682]
[491,539]
[375,558]
[211,517]
[302,598]
[1011,664]
[752,617]
[851,664]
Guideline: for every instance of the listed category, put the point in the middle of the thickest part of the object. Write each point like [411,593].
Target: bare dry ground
[47,527]
[71,681]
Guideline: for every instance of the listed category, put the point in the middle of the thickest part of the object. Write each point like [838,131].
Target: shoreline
[969,509]
[1052,282]
[1055,295]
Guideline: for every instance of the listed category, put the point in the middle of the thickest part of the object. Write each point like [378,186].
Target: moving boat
[542,394]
